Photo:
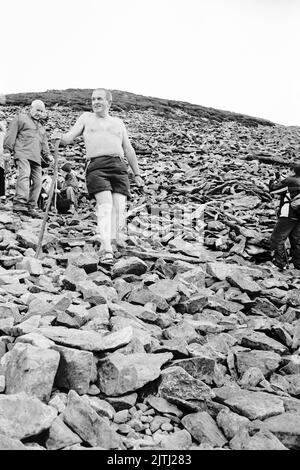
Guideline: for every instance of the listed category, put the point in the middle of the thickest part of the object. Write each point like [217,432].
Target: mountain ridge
[80,99]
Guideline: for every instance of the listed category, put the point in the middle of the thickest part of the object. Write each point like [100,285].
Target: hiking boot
[34,214]
[281,267]
[71,209]
[20,210]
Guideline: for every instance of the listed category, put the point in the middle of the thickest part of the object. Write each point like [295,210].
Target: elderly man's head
[37,109]
[101,100]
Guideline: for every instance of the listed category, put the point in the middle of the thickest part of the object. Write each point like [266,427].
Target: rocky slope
[181,344]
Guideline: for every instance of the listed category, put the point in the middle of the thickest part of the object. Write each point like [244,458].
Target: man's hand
[56,135]
[139,181]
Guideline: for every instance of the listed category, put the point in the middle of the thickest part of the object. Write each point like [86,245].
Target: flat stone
[258,340]
[132,265]
[87,340]
[244,283]
[253,405]
[262,440]
[177,347]
[163,406]
[123,402]
[286,427]
[29,239]
[119,374]
[31,369]
[165,288]
[35,339]
[60,436]
[179,440]
[85,261]
[15,289]
[75,369]
[10,310]
[85,422]
[15,410]
[204,429]
[142,295]
[263,306]
[182,330]
[226,307]
[8,443]
[195,276]
[266,361]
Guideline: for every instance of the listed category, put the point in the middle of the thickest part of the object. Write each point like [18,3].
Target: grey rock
[262,440]
[230,423]
[286,427]
[253,405]
[60,436]
[31,369]
[15,410]
[132,265]
[75,369]
[177,383]
[204,429]
[120,374]
[85,422]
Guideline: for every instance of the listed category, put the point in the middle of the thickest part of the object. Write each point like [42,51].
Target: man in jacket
[288,224]
[26,140]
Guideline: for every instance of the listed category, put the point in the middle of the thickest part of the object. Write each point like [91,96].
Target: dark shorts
[107,173]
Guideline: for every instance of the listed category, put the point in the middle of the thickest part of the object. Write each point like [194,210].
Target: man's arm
[129,152]
[11,135]
[74,132]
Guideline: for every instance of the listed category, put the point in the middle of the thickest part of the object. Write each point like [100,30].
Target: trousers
[284,229]
[29,183]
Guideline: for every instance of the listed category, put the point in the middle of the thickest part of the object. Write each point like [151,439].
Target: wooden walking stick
[53,185]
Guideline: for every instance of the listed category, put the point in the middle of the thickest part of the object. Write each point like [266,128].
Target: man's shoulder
[86,116]
[116,120]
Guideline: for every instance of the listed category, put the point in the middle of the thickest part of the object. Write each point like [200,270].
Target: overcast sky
[236,55]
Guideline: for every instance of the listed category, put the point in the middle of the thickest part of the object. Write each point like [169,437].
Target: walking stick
[53,184]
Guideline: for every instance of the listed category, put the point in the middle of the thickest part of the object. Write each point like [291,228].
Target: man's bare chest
[98,129]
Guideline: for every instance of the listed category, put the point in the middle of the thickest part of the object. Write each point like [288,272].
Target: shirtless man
[106,141]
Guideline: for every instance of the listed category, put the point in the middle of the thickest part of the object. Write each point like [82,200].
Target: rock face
[120,374]
[191,339]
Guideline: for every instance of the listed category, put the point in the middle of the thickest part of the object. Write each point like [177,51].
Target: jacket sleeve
[45,147]
[11,135]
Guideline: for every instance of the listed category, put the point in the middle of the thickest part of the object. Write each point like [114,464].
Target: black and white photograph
[150,229]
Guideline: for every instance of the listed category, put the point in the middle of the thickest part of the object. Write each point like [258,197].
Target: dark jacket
[26,139]
[287,189]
